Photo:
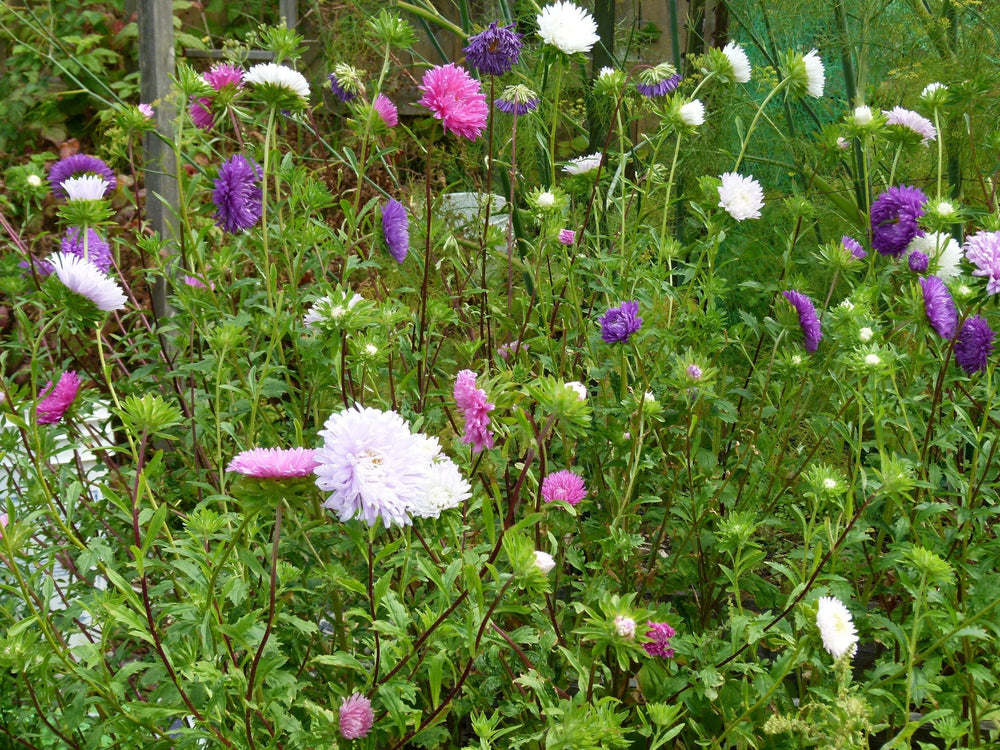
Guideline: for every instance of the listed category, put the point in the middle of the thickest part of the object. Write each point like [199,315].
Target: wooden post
[289,10]
[156,65]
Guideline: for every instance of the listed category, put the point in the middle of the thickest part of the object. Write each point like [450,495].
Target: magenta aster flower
[894,219]
[53,402]
[222,75]
[237,196]
[97,250]
[939,306]
[808,321]
[660,634]
[982,249]
[564,485]
[619,323]
[274,463]
[194,281]
[853,247]
[396,229]
[356,717]
[76,166]
[455,98]
[974,345]
[473,402]
[386,110]
[495,50]
[200,109]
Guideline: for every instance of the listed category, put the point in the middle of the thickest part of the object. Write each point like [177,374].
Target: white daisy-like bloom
[546,199]
[87,187]
[930,88]
[739,61]
[87,280]
[272,74]
[443,488]
[34,180]
[872,360]
[324,309]
[944,208]
[567,27]
[836,627]
[847,304]
[943,251]
[829,483]
[583,164]
[915,122]
[578,388]
[692,113]
[863,115]
[865,334]
[605,72]
[742,197]
[544,561]
[371,349]
[815,73]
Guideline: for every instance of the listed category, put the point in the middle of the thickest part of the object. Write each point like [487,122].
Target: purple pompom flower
[918,261]
[564,485]
[894,219]
[473,402]
[274,463]
[974,345]
[811,332]
[619,323]
[396,229]
[983,250]
[494,51]
[853,247]
[77,165]
[237,195]
[53,402]
[939,306]
[356,717]
[659,634]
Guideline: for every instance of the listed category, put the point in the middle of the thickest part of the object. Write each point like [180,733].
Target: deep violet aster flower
[473,402]
[982,249]
[517,100]
[396,229]
[356,717]
[339,90]
[974,345]
[97,250]
[660,634]
[455,98]
[918,261]
[939,306]
[564,485]
[619,323]
[894,219]
[53,402]
[853,247]
[77,165]
[494,51]
[386,110]
[237,195]
[274,463]
[808,321]
[658,81]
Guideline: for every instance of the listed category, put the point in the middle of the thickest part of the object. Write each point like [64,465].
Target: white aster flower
[865,334]
[272,74]
[605,72]
[943,208]
[692,113]
[443,488]
[872,360]
[546,199]
[583,164]
[87,280]
[326,310]
[863,115]
[829,483]
[567,27]
[34,180]
[834,620]
[371,350]
[931,88]
[739,61]
[87,187]
[942,250]
[911,120]
[544,561]
[625,626]
[578,388]
[815,73]
[742,197]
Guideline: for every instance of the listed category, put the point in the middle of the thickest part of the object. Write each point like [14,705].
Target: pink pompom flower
[473,402]
[564,485]
[456,99]
[356,717]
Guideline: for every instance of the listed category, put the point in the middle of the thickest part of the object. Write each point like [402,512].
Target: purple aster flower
[694,372]
[619,323]
[274,463]
[918,261]
[53,402]
[661,88]
[659,634]
[808,321]
[564,485]
[396,229]
[515,346]
[495,50]
[894,219]
[983,250]
[356,717]
[515,106]
[237,196]
[567,236]
[473,402]
[338,90]
[97,250]
[853,247]
[939,306]
[911,121]
[974,345]
[77,165]
[200,109]
[223,75]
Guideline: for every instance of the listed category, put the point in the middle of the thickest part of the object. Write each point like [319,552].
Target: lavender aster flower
[918,262]
[982,249]
[619,323]
[84,278]
[567,236]
[53,402]
[97,250]
[939,306]
[808,321]
[853,247]
[396,229]
[495,50]
[274,463]
[76,165]
[911,121]
[237,195]
[894,219]
[974,345]
[473,402]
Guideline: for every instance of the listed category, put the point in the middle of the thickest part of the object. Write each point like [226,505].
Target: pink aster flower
[455,98]
[356,717]
[194,281]
[386,110]
[564,485]
[53,402]
[659,634]
[223,75]
[472,401]
[147,111]
[274,463]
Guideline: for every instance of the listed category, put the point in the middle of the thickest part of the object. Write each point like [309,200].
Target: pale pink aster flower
[386,110]
[982,249]
[3,521]
[84,278]
[742,197]
[544,561]
[625,626]
[147,111]
[356,717]
[53,402]
[473,402]
[564,485]
[842,143]
[456,99]
[913,121]
[274,463]
[194,281]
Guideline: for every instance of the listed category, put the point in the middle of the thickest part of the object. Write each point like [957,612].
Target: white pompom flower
[741,197]
[836,627]
[567,27]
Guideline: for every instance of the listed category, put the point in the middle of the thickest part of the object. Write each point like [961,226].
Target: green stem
[555,122]
[756,119]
